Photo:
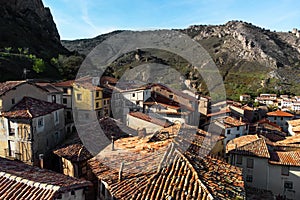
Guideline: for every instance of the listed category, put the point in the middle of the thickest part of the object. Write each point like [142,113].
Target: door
[11,148]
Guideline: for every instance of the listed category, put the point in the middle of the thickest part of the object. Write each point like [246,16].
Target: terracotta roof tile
[290,158]
[8,85]
[30,107]
[74,153]
[294,123]
[269,124]
[151,119]
[21,181]
[64,83]
[161,169]
[280,113]
[249,145]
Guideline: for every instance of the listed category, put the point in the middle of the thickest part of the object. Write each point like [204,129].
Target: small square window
[250,163]
[285,170]
[13,101]
[79,97]
[288,185]
[237,128]
[97,104]
[249,178]
[65,100]
[228,131]
[239,159]
[275,118]
[97,94]
[65,90]
[133,94]
[281,118]
[41,122]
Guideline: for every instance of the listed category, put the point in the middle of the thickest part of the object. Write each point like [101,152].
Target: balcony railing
[12,154]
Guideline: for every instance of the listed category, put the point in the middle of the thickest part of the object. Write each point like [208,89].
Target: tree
[38,65]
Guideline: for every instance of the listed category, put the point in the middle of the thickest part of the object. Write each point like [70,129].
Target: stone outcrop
[28,24]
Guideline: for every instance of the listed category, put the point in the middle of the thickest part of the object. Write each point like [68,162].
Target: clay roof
[269,124]
[229,122]
[294,123]
[64,83]
[108,80]
[87,83]
[74,153]
[163,169]
[249,145]
[290,158]
[221,112]
[290,140]
[150,119]
[21,181]
[280,113]
[8,85]
[273,136]
[48,87]
[29,108]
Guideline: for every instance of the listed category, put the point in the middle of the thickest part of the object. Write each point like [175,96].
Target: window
[97,94]
[239,159]
[285,170]
[79,97]
[65,90]
[281,118]
[228,131]
[133,94]
[12,132]
[104,102]
[238,135]
[171,96]
[249,178]
[40,122]
[288,185]
[246,127]
[13,101]
[237,128]
[275,118]
[56,116]
[53,98]
[72,192]
[250,163]
[97,104]
[65,100]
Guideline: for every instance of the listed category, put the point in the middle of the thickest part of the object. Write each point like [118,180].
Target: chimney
[112,143]
[41,158]
[121,171]
[241,119]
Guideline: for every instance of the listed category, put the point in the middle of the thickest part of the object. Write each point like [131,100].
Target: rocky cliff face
[28,24]
[250,59]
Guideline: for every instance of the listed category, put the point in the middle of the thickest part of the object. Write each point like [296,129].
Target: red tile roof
[150,119]
[21,181]
[294,123]
[221,112]
[152,170]
[29,108]
[290,158]
[64,83]
[269,124]
[48,87]
[8,85]
[249,145]
[280,113]
[74,153]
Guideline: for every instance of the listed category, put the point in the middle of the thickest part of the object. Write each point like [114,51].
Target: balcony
[12,154]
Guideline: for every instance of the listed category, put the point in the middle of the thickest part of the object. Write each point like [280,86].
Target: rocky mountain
[27,27]
[251,59]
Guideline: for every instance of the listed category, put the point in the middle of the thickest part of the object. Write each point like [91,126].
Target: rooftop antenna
[25,71]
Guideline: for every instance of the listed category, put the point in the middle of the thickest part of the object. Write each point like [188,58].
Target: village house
[267,99]
[88,98]
[280,118]
[245,97]
[266,168]
[11,92]
[30,129]
[67,88]
[73,160]
[154,167]
[246,113]
[229,127]
[20,181]
[151,124]
[294,127]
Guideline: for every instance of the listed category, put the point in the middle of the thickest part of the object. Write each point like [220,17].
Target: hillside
[27,27]
[251,59]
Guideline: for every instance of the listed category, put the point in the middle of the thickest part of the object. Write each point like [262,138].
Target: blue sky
[76,19]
